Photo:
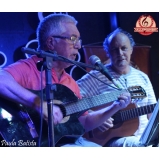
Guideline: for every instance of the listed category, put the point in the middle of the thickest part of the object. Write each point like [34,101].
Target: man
[119,46]
[57,32]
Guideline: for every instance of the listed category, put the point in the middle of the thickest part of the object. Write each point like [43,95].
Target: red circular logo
[145,25]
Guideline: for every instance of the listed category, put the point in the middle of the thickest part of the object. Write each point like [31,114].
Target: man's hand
[123,101]
[106,125]
[57,114]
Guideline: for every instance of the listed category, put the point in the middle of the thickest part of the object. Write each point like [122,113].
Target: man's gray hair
[52,25]
[115,32]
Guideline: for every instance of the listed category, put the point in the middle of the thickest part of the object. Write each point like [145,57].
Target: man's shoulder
[34,58]
[138,71]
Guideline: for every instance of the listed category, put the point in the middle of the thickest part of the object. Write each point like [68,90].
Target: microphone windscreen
[94,59]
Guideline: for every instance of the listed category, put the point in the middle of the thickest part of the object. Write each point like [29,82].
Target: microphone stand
[48,59]
[49,98]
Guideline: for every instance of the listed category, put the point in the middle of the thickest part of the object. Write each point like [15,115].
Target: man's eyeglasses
[73,39]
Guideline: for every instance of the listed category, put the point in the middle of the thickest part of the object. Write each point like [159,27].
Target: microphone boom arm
[56,57]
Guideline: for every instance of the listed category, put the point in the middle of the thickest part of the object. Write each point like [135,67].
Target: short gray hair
[115,32]
[52,25]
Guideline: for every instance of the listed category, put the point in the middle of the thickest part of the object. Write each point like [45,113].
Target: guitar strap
[25,116]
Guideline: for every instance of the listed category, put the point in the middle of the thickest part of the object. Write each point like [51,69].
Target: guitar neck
[135,112]
[88,103]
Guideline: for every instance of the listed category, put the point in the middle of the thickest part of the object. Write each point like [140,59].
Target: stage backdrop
[18,30]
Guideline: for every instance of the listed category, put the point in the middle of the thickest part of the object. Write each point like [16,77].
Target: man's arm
[97,118]
[12,91]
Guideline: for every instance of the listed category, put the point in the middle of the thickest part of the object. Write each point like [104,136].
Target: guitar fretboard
[87,103]
[125,115]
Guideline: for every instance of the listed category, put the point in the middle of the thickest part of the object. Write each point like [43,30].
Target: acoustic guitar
[23,127]
[125,122]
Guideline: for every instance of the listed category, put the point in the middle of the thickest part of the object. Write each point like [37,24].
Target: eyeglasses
[73,39]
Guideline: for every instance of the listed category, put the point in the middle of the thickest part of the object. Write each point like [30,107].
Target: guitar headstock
[137,92]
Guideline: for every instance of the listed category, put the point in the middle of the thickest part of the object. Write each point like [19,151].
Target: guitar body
[20,131]
[15,132]
[120,129]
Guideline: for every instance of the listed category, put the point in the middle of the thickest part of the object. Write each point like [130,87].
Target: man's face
[66,47]
[120,51]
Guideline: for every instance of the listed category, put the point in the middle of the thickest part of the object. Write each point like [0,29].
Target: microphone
[94,60]
[55,56]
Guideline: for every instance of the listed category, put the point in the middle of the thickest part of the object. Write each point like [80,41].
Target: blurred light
[6,115]
[113,20]
[3,59]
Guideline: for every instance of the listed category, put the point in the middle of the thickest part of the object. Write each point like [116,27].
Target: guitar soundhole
[117,120]
[117,125]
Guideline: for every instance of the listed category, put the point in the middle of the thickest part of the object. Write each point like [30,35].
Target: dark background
[18,28]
